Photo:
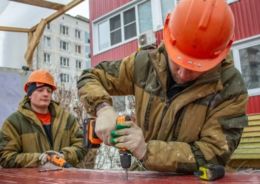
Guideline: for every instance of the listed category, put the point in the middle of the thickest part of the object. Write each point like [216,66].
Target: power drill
[210,172]
[91,140]
[58,161]
[125,155]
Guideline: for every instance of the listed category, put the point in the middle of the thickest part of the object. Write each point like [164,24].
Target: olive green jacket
[203,123]
[23,139]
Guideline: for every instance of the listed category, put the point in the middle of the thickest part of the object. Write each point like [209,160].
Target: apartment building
[64,50]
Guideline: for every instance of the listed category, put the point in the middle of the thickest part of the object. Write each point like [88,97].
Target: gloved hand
[52,152]
[105,122]
[132,139]
[44,156]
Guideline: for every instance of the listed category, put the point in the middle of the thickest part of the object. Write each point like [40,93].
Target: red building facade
[117,24]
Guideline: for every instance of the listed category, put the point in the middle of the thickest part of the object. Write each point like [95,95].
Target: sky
[81,9]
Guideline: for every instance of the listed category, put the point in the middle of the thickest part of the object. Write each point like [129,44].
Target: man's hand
[132,139]
[44,156]
[51,152]
[105,122]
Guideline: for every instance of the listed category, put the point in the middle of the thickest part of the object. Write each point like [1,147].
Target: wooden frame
[61,9]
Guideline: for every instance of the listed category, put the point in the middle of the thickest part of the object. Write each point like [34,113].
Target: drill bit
[126,174]
[125,159]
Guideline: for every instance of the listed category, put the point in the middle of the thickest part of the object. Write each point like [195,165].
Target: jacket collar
[26,110]
[159,59]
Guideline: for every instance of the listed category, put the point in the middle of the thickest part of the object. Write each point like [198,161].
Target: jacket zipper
[165,108]
[147,113]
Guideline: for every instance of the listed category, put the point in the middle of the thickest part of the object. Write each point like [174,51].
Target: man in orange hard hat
[40,128]
[190,100]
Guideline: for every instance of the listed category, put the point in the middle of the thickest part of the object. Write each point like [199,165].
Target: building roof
[80,17]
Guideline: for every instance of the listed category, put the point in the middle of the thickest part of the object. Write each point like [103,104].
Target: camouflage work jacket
[202,123]
[23,139]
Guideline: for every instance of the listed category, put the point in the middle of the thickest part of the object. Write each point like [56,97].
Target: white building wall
[55,52]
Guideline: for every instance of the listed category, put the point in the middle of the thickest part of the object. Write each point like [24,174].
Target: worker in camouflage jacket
[189,99]
[39,128]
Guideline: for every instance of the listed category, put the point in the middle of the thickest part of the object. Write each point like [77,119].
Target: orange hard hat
[199,33]
[40,76]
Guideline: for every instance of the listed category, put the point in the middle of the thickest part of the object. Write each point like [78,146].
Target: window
[123,26]
[64,77]
[167,7]
[64,62]
[145,17]
[78,49]
[110,32]
[78,64]
[77,33]
[64,30]
[129,23]
[86,37]
[64,45]
[103,37]
[46,58]
[87,51]
[231,1]
[47,41]
[115,30]
[88,63]
[48,26]
[247,60]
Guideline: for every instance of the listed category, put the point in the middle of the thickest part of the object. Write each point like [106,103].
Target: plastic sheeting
[12,49]
[11,92]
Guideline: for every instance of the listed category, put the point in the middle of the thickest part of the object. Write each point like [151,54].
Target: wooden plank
[247,151]
[254,123]
[14,29]
[252,129]
[250,140]
[249,145]
[84,176]
[254,117]
[251,134]
[41,3]
[61,11]
[244,156]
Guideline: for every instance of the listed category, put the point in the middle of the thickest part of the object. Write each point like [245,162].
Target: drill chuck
[125,159]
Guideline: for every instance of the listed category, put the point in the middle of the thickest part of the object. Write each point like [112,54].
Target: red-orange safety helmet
[198,34]
[40,76]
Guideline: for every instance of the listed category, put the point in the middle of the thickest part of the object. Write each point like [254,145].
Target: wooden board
[83,176]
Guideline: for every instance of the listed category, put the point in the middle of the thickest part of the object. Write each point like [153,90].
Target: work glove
[52,152]
[105,122]
[44,156]
[132,139]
